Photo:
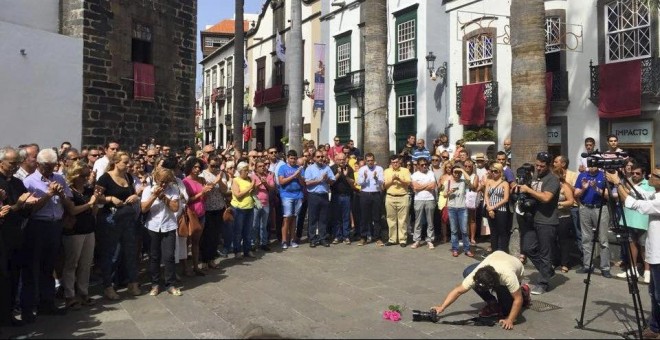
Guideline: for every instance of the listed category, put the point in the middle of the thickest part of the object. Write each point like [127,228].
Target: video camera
[523,202]
[431,315]
[606,160]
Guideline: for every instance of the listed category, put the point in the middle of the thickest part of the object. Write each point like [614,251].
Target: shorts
[291,207]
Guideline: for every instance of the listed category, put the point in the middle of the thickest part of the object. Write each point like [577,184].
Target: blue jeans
[458,218]
[341,211]
[242,228]
[116,236]
[654,291]
[260,225]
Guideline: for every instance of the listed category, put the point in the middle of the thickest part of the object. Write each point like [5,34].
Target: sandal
[154,291]
[174,291]
[454,253]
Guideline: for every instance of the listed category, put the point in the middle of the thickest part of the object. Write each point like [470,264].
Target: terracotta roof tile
[227,26]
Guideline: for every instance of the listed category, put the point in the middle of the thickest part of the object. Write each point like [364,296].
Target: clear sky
[210,12]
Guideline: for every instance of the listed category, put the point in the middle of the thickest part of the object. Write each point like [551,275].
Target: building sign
[554,134]
[319,78]
[633,132]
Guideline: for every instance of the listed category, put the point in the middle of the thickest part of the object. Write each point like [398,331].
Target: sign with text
[554,134]
[640,132]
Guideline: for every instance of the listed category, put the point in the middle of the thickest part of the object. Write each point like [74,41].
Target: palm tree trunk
[239,76]
[376,131]
[528,98]
[294,68]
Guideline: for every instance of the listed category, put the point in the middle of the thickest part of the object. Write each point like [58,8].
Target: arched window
[480,58]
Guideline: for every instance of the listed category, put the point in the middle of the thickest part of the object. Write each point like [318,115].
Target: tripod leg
[587,281]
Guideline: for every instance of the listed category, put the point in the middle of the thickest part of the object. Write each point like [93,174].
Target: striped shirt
[495,196]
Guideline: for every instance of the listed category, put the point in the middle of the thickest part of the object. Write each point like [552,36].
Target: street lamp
[306,91]
[441,72]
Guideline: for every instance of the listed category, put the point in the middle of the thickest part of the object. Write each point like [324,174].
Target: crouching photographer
[499,273]
[649,205]
[539,229]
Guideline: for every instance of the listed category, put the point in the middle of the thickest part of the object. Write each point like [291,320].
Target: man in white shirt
[101,164]
[649,205]
[589,144]
[28,154]
[424,185]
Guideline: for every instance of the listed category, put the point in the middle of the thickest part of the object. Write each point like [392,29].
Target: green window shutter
[404,17]
[406,112]
[342,43]
[344,117]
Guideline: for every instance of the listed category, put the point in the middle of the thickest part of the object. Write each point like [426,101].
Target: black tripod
[623,235]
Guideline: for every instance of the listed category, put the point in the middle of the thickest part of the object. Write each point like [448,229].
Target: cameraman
[539,237]
[650,207]
[500,273]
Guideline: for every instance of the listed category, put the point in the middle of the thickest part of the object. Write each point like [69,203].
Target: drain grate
[540,306]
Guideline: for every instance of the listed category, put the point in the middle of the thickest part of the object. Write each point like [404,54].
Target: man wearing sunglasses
[648,205]
[538,238]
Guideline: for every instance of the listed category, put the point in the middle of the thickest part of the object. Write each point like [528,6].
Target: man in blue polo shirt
[318,178]
[290,177]
[590,191]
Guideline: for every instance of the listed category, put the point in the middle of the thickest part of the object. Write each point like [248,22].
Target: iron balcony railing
[220,94]
[405,70]
[271,96]
[490,92]
[650,79]
[350,81]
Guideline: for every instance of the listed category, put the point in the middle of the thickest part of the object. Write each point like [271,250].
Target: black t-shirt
[115,190]
[85,222]
[11,223]
[341,185]
[546,213]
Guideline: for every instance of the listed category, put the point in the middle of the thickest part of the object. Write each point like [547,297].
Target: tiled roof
[227,26]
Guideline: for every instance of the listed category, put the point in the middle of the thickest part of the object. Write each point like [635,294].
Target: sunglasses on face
[445,157]
[93,155]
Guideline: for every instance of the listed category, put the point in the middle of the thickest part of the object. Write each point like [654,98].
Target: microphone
[585,154]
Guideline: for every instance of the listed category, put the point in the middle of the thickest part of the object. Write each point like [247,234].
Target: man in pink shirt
[336,149]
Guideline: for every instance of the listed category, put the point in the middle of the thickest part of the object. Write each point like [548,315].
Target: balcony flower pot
[480,141]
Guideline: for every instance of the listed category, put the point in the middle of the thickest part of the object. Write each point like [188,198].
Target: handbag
[228,215]
[442,197]
[182,225]
[195,227]
[471,199]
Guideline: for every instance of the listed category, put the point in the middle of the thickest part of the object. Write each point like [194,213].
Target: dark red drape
[620,89]
[143,81]
[473,104]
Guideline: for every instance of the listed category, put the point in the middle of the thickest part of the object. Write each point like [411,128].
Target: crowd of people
[68,214]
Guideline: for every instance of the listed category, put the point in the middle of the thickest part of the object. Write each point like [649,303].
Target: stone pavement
[340,292]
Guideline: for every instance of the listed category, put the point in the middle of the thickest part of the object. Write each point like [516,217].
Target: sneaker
[415,245]
[361,242]
[623,274]
[527,298]
[490,310]
[431,246]
[370,239]
[538,290]
[584,270]
[294,244]
[347,241]
[335,241]
[469,253]
[402,245]
[379,243]
[388,243]
[606,274]
[285,245]
[647,276]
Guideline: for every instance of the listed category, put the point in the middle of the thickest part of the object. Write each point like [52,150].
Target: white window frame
[343,59]
[406,105]
[552,34]
[207,83]
[634,28]
[343,114]
[230,73]
[480,51]
[406,40]
[214,78]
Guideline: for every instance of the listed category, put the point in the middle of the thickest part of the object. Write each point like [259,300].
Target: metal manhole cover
[540,306]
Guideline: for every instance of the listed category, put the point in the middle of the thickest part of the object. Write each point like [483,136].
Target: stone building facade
[122,39]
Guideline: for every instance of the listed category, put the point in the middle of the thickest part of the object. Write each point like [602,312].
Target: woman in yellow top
[242,203]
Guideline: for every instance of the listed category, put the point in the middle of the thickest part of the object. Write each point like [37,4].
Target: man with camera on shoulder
[538,237]
[649,205]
